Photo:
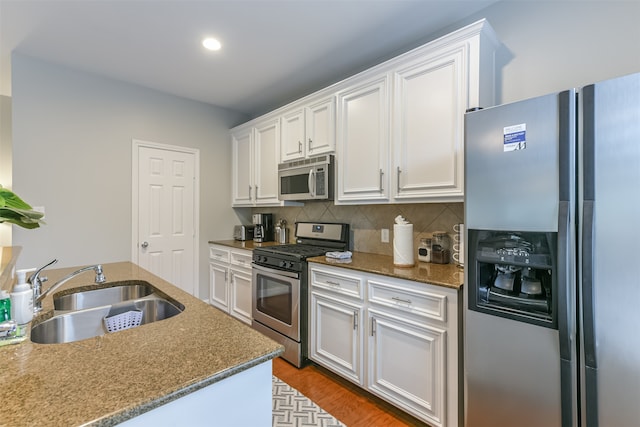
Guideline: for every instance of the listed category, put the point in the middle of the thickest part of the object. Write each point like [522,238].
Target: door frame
[136,144]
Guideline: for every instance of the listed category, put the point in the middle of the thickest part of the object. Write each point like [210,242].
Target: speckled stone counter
[448,275]
[105,380]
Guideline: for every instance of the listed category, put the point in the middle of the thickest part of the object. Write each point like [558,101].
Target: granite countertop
[448,275]
[105,380]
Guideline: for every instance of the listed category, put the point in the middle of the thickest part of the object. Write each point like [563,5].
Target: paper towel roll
[403,245]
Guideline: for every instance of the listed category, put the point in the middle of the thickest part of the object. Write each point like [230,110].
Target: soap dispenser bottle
[22,299]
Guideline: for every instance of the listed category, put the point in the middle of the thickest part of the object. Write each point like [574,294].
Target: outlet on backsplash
[384,235]
[368,221]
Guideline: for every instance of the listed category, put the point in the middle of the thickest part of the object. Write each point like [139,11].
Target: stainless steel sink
[112,293]
[81,324]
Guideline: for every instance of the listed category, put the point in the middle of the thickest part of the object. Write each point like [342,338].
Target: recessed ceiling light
[211,44]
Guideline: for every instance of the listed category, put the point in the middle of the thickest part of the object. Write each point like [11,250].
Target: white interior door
[165,242]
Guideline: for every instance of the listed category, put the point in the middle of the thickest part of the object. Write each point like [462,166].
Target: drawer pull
[406,301]
[333,283]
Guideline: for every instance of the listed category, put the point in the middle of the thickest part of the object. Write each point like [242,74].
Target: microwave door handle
[312,183]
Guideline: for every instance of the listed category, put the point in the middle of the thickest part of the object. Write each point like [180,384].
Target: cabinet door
[406,362]
[293,141]
[336,336]
[363,142]
[266,155]
[240,294]
[242,164]
[429,106]
[321,127]
[218,289]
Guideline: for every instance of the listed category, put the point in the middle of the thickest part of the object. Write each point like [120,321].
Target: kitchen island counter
[447,275]
[115,377]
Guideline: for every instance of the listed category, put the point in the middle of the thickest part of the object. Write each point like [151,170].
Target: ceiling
[274,51]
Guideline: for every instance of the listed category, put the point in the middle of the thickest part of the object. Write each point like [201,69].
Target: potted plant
[16,211]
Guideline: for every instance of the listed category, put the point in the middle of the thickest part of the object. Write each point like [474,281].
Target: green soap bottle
[5,306]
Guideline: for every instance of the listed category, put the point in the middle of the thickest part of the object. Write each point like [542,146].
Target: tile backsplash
[367,221]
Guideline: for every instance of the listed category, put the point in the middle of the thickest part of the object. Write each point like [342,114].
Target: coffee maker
[263,231]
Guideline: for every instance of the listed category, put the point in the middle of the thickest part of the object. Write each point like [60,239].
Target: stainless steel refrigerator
[552,284]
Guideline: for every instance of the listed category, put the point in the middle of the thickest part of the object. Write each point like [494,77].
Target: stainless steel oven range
[280,284]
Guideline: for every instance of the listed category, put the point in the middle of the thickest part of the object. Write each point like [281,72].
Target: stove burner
[304,251]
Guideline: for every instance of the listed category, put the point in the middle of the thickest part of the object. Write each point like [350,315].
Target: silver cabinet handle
[299,147]
[381,174]
[256,198]
[310,147]
[145,245]
[250,188]
[355,320]
[333,283]
[406,301]
[373,326]
[399,172]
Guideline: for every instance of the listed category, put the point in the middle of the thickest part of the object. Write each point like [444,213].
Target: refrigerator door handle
[588,246]
[565,329]
[588,320]
[564,280]
[587,287]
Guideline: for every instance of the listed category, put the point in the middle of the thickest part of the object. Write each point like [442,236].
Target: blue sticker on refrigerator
[515,137]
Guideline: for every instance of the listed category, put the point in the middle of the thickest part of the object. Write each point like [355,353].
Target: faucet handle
[35,277]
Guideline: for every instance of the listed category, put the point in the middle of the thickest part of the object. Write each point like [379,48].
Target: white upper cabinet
[423,122]
[308,130]
[429,105]
[242,164]
[255,164]
[397,129]
[363,141]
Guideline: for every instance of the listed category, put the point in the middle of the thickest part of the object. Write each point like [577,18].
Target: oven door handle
[291,274]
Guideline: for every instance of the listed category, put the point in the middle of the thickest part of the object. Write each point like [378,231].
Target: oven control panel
[277,262]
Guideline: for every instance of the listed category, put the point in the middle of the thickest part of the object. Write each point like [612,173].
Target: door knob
[145,244]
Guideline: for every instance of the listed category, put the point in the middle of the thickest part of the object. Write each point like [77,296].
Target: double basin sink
[80,314]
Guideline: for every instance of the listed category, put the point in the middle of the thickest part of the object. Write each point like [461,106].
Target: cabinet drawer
[409,298]
[217,253]
[242,259]
[339,283]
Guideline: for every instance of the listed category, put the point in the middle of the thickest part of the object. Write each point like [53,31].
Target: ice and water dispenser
[512,274]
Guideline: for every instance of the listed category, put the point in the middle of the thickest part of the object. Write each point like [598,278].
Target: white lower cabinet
[405,348]
[337,335]
[230,281]
[406,365]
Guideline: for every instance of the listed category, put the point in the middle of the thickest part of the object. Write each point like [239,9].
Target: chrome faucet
[36,281]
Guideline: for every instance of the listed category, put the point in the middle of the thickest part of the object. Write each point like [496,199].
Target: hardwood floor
[348,403]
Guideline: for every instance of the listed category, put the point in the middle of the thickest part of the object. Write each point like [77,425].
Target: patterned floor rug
[293,409]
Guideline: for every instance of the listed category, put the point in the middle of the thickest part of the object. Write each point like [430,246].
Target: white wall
[550,46]
[5,160]
[72,134]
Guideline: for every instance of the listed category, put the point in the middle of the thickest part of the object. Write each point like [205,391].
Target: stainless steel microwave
[308,179]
